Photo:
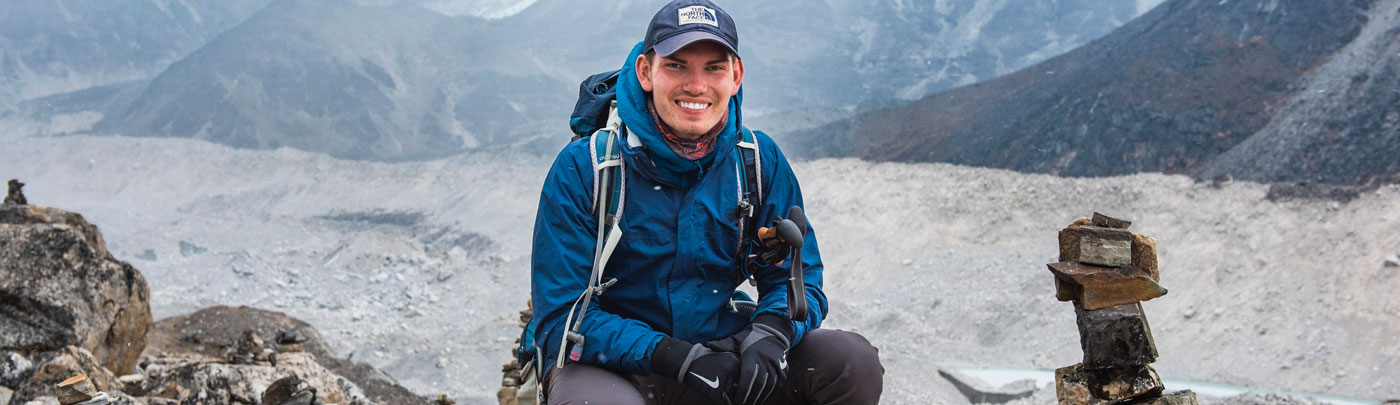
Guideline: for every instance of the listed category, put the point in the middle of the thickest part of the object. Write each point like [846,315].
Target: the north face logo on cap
[698,15]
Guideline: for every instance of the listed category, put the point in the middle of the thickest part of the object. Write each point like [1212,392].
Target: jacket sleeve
[781,192]
[560,264]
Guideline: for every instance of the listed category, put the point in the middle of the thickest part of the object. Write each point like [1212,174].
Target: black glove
[762,349]
[708,372]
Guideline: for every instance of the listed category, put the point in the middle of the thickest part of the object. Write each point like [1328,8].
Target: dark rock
[1185,397]
[978,392]
[59,286]
[282,390]
[1067,291]
[1072,387]
[1115,337]
[1103,287]
[1119,384]
[285,336]
[1110,222]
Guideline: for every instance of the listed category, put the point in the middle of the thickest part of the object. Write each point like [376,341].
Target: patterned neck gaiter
[690,149]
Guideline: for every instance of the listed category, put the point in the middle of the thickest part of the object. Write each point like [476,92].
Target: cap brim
[670,45]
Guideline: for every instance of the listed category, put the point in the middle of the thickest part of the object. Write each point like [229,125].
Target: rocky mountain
[315,75]
[1171,91]
[1342,126]
[52,47]
[400,80]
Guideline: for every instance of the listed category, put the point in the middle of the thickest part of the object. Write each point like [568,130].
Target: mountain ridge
[465,83]
[58,46]
[1218,74]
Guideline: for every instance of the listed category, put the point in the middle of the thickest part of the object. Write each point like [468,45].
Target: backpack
[595,117]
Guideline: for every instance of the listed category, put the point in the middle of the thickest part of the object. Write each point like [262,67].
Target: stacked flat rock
[1107,271]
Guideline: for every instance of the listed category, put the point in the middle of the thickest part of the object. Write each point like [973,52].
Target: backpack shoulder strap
[749,169]
[608,177]
[751,189]
[609,189]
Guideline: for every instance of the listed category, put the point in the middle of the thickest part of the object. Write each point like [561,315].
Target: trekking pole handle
[794,231]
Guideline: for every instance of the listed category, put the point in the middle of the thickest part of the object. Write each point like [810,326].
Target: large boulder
[60,287]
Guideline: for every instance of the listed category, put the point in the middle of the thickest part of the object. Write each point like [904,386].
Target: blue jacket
[675,265]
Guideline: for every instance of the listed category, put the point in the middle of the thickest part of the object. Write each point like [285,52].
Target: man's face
[691,87]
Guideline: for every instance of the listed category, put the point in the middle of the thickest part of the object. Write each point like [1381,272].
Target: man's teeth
[693,106]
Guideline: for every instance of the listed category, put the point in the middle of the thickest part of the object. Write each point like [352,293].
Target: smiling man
[671,328]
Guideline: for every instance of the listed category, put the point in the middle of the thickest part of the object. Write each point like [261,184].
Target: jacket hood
[654,157]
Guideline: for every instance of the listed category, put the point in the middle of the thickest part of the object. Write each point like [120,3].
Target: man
[665,332]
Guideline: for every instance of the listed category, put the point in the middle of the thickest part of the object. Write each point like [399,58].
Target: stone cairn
[1107,271]
[14,195]
[513,378]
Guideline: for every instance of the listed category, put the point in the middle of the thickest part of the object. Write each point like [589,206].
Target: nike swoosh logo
[712,383]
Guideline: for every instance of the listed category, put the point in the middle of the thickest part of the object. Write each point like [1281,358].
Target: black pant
[827,367]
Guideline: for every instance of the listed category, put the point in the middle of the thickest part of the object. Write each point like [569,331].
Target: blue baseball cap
[684,22]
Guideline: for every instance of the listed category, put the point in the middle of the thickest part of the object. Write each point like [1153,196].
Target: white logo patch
[698,15]
[712,383]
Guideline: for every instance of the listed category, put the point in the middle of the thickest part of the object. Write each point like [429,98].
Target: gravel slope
[418,268]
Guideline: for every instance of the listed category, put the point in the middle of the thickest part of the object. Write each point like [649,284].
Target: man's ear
[643,70]
[738,75]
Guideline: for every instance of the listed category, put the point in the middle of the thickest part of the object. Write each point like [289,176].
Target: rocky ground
[73,316]
[419,268]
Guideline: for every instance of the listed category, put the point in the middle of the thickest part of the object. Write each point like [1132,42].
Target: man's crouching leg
[832,367]
[584,384]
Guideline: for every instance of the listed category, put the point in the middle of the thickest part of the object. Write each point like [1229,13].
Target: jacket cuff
[669,356]
[776,322]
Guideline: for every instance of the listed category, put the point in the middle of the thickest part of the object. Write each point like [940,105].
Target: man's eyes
[679,66]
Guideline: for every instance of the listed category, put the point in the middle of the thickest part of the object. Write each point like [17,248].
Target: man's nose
[694,83]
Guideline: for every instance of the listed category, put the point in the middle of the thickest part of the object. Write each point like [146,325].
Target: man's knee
[845,348]
[839,367]
[585,384]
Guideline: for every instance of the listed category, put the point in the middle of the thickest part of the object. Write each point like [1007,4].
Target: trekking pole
[793,230]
